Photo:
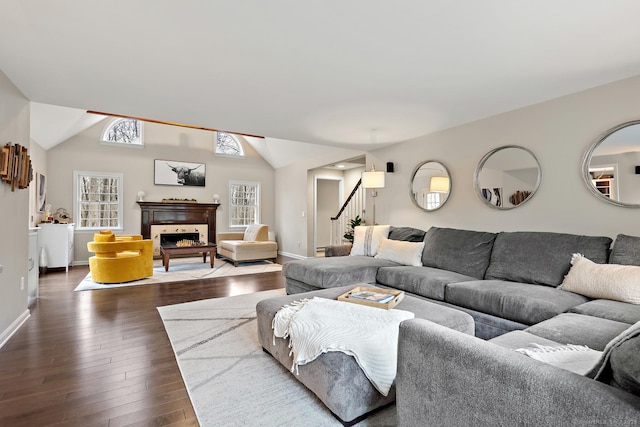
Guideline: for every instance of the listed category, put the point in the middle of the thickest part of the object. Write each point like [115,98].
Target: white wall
[14,214]
[84,152]
[558,131]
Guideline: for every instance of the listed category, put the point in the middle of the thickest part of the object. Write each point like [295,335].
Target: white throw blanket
[575,358]
[321,325]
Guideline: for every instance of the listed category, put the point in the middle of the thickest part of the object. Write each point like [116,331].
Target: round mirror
[430,185]
[610,167]
[507,177]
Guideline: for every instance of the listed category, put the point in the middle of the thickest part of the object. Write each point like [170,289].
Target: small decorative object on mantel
[15,166]
[216,198]
[172,200]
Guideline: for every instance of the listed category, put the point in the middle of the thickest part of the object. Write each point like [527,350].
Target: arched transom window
[228,144]
[123,131]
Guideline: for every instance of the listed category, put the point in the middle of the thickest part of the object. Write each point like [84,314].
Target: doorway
[328,199]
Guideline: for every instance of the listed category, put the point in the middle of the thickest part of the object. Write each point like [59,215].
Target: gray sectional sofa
[509,283]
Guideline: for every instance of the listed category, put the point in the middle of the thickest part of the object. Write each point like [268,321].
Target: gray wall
[84,152]
[558,131]
[14,214]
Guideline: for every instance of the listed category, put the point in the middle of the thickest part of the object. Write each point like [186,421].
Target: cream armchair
[251,245]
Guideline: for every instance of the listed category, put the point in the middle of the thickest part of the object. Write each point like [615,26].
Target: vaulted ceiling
[324,72]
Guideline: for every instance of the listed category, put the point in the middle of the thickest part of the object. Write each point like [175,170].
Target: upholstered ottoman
[336,378]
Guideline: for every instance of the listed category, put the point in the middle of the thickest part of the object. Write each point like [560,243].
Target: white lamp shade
[373,179]
[439,184]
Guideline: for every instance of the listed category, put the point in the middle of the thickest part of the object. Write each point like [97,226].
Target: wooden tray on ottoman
[372,296]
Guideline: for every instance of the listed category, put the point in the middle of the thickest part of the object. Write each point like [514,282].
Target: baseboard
[74,263]
[13,327]
[296,256]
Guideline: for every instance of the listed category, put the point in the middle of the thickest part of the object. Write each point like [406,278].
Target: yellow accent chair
[120,258]
[251,245]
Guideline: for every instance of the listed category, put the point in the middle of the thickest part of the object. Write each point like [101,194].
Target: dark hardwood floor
[102,358]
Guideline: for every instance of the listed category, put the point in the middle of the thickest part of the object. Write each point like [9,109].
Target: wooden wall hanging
[15,166]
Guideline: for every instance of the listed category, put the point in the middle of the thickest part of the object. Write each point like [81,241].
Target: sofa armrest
[229,236]
[461,380]
[338,250]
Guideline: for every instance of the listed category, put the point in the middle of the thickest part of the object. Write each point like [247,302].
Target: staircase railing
[353,206]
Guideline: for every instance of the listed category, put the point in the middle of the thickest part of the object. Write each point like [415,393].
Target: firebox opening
[170,239]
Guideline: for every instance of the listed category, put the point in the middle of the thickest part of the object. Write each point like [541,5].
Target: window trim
[258,186]
[76,199]
[232,156]
[111,124]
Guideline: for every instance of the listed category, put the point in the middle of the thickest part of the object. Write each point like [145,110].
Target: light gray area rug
[184,269]
[230,379]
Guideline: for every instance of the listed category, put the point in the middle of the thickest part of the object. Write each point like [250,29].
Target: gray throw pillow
[625,366]
[407,234]
[626,250]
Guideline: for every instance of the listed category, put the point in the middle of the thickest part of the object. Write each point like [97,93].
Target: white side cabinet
[57,242]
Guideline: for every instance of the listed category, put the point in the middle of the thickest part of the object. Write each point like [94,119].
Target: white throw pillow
[607,281]
[407,253]
[366,239]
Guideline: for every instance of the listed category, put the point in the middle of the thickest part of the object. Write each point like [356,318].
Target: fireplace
[177,218]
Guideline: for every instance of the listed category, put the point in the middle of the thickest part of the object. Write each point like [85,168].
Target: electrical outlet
[298,243]
[22,283]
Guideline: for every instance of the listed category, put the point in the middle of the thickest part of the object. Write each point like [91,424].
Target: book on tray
[378,297]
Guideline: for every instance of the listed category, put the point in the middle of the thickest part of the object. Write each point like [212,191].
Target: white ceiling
[324,72]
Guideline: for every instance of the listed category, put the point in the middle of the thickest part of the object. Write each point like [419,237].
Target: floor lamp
[373,179]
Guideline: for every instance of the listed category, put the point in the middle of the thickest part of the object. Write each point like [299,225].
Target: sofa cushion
[406,253]
[572,328]
[609,281]
[408,234]
[524,303]
[541,258]
[463,251]
[335,271]
[626,250]
[608,309]
[625,365]
[424,281]
[366,239]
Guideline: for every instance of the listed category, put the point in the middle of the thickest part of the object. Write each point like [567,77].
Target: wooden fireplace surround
[177,213]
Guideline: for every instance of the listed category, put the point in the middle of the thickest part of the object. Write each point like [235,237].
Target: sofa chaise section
[471,382]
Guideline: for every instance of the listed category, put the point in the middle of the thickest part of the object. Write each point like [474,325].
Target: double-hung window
[97,200]
[244,203]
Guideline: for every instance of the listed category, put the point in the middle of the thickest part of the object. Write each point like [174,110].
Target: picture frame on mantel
[173,172]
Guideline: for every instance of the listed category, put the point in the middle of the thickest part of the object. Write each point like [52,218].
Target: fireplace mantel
[154,213]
